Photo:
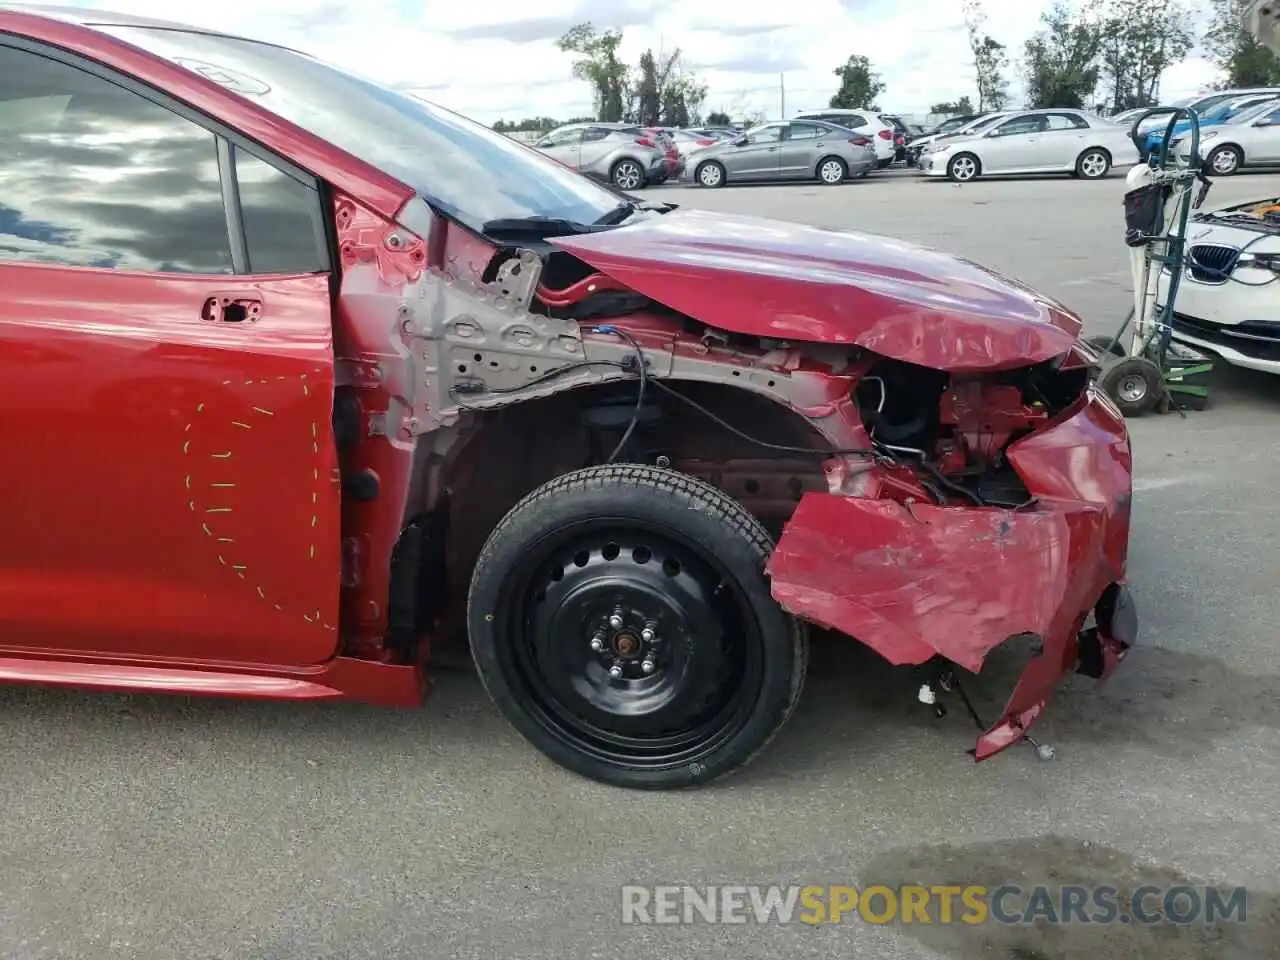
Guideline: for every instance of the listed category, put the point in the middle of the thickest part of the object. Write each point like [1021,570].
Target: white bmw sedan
[1035,141]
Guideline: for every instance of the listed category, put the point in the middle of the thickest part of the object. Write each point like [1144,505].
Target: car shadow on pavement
[1171,703]
[1057,862]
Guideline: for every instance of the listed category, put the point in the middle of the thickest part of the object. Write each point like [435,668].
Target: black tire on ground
[882,164]
[964,167]
[660,578]
[1224,161]
[706,171]
[827,167]
[1106,344]
[627,174]
[1093,164]
[1134,383]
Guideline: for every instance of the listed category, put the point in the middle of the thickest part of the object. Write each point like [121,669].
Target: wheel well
[624,159]
[966,153]
[512,451]
[829,156]
[708,161]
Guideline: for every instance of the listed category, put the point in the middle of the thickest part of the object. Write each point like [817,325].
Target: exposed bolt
[664,461]
[615,671]
[648,666]
[597,642]
[649,633]
[616,620]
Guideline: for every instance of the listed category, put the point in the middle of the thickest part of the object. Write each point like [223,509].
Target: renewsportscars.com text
[939,904]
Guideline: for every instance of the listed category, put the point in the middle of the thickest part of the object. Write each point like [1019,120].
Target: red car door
[166,381]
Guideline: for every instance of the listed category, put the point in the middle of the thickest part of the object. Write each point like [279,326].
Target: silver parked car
[620,153]
[798,150]
[1251,138]
[1035,141]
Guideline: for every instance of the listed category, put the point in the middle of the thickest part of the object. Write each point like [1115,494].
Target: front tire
[1224,161]
[621,620]
[710,174]
[963,167]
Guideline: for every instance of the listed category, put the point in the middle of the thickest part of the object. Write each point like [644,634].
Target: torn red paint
[914,581]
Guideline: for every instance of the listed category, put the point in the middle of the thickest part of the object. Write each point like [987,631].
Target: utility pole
[782,94]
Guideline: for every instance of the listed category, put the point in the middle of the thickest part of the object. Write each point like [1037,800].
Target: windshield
[460,166]
[1254,111]
[982,123]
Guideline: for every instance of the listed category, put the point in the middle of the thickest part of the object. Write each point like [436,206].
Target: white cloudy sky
[498,60]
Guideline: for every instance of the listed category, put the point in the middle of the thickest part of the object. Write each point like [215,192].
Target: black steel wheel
[621,620]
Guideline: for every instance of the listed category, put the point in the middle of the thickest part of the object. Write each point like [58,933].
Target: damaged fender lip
[914,583]
[790,281]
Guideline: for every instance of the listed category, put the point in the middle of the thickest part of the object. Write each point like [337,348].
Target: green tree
[682,99]
[1138,44]
[718,118]
[990,59]
[648,95]
[859,86]
[1060,63]
[963,107]
[596,61]
[1243,61]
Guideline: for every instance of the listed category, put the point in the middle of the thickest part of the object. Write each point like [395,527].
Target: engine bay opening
[955,429]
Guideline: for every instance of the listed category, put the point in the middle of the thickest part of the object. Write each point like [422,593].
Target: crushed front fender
[918,581]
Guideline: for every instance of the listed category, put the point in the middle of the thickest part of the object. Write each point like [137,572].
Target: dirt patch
[1058,862]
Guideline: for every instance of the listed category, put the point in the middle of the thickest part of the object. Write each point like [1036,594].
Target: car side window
[596,133]
[1273,116]
[1018,125]
[562,138]
[278,213]
[805,131]
[765,135]
[1066,121]
[95,175]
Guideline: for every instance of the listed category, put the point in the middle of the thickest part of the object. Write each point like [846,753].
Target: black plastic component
[347,416]
[362,487]
[402,599]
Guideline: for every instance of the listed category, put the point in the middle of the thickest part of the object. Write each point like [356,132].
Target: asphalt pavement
[160,828]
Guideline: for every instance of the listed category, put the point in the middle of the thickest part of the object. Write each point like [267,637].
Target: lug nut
[616,620]
[648,666]
[648,635]
[597,642]
[615,671]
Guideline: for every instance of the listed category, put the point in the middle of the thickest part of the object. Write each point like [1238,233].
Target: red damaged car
[301,374]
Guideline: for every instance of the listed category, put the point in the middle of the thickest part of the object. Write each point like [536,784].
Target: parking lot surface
[157,827]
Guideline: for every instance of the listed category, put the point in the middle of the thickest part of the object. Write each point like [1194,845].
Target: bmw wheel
[621,620]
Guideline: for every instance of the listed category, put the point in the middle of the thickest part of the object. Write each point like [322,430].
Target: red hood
[790,281]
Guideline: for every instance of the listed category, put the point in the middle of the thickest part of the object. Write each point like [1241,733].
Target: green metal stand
[1154,373]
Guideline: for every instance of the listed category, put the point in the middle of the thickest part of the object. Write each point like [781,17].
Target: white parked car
[1035,141]
[865,122]
[926,145]
[1251,138]
[1228,299]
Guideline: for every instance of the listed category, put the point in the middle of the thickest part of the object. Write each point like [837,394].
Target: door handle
[231,308]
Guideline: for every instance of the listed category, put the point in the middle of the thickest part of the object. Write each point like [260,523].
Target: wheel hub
[635,645]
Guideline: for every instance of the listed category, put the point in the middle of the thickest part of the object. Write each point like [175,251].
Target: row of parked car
[1239,128]
[830,146]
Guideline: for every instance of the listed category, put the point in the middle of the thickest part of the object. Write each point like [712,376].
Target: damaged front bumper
[917,582]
